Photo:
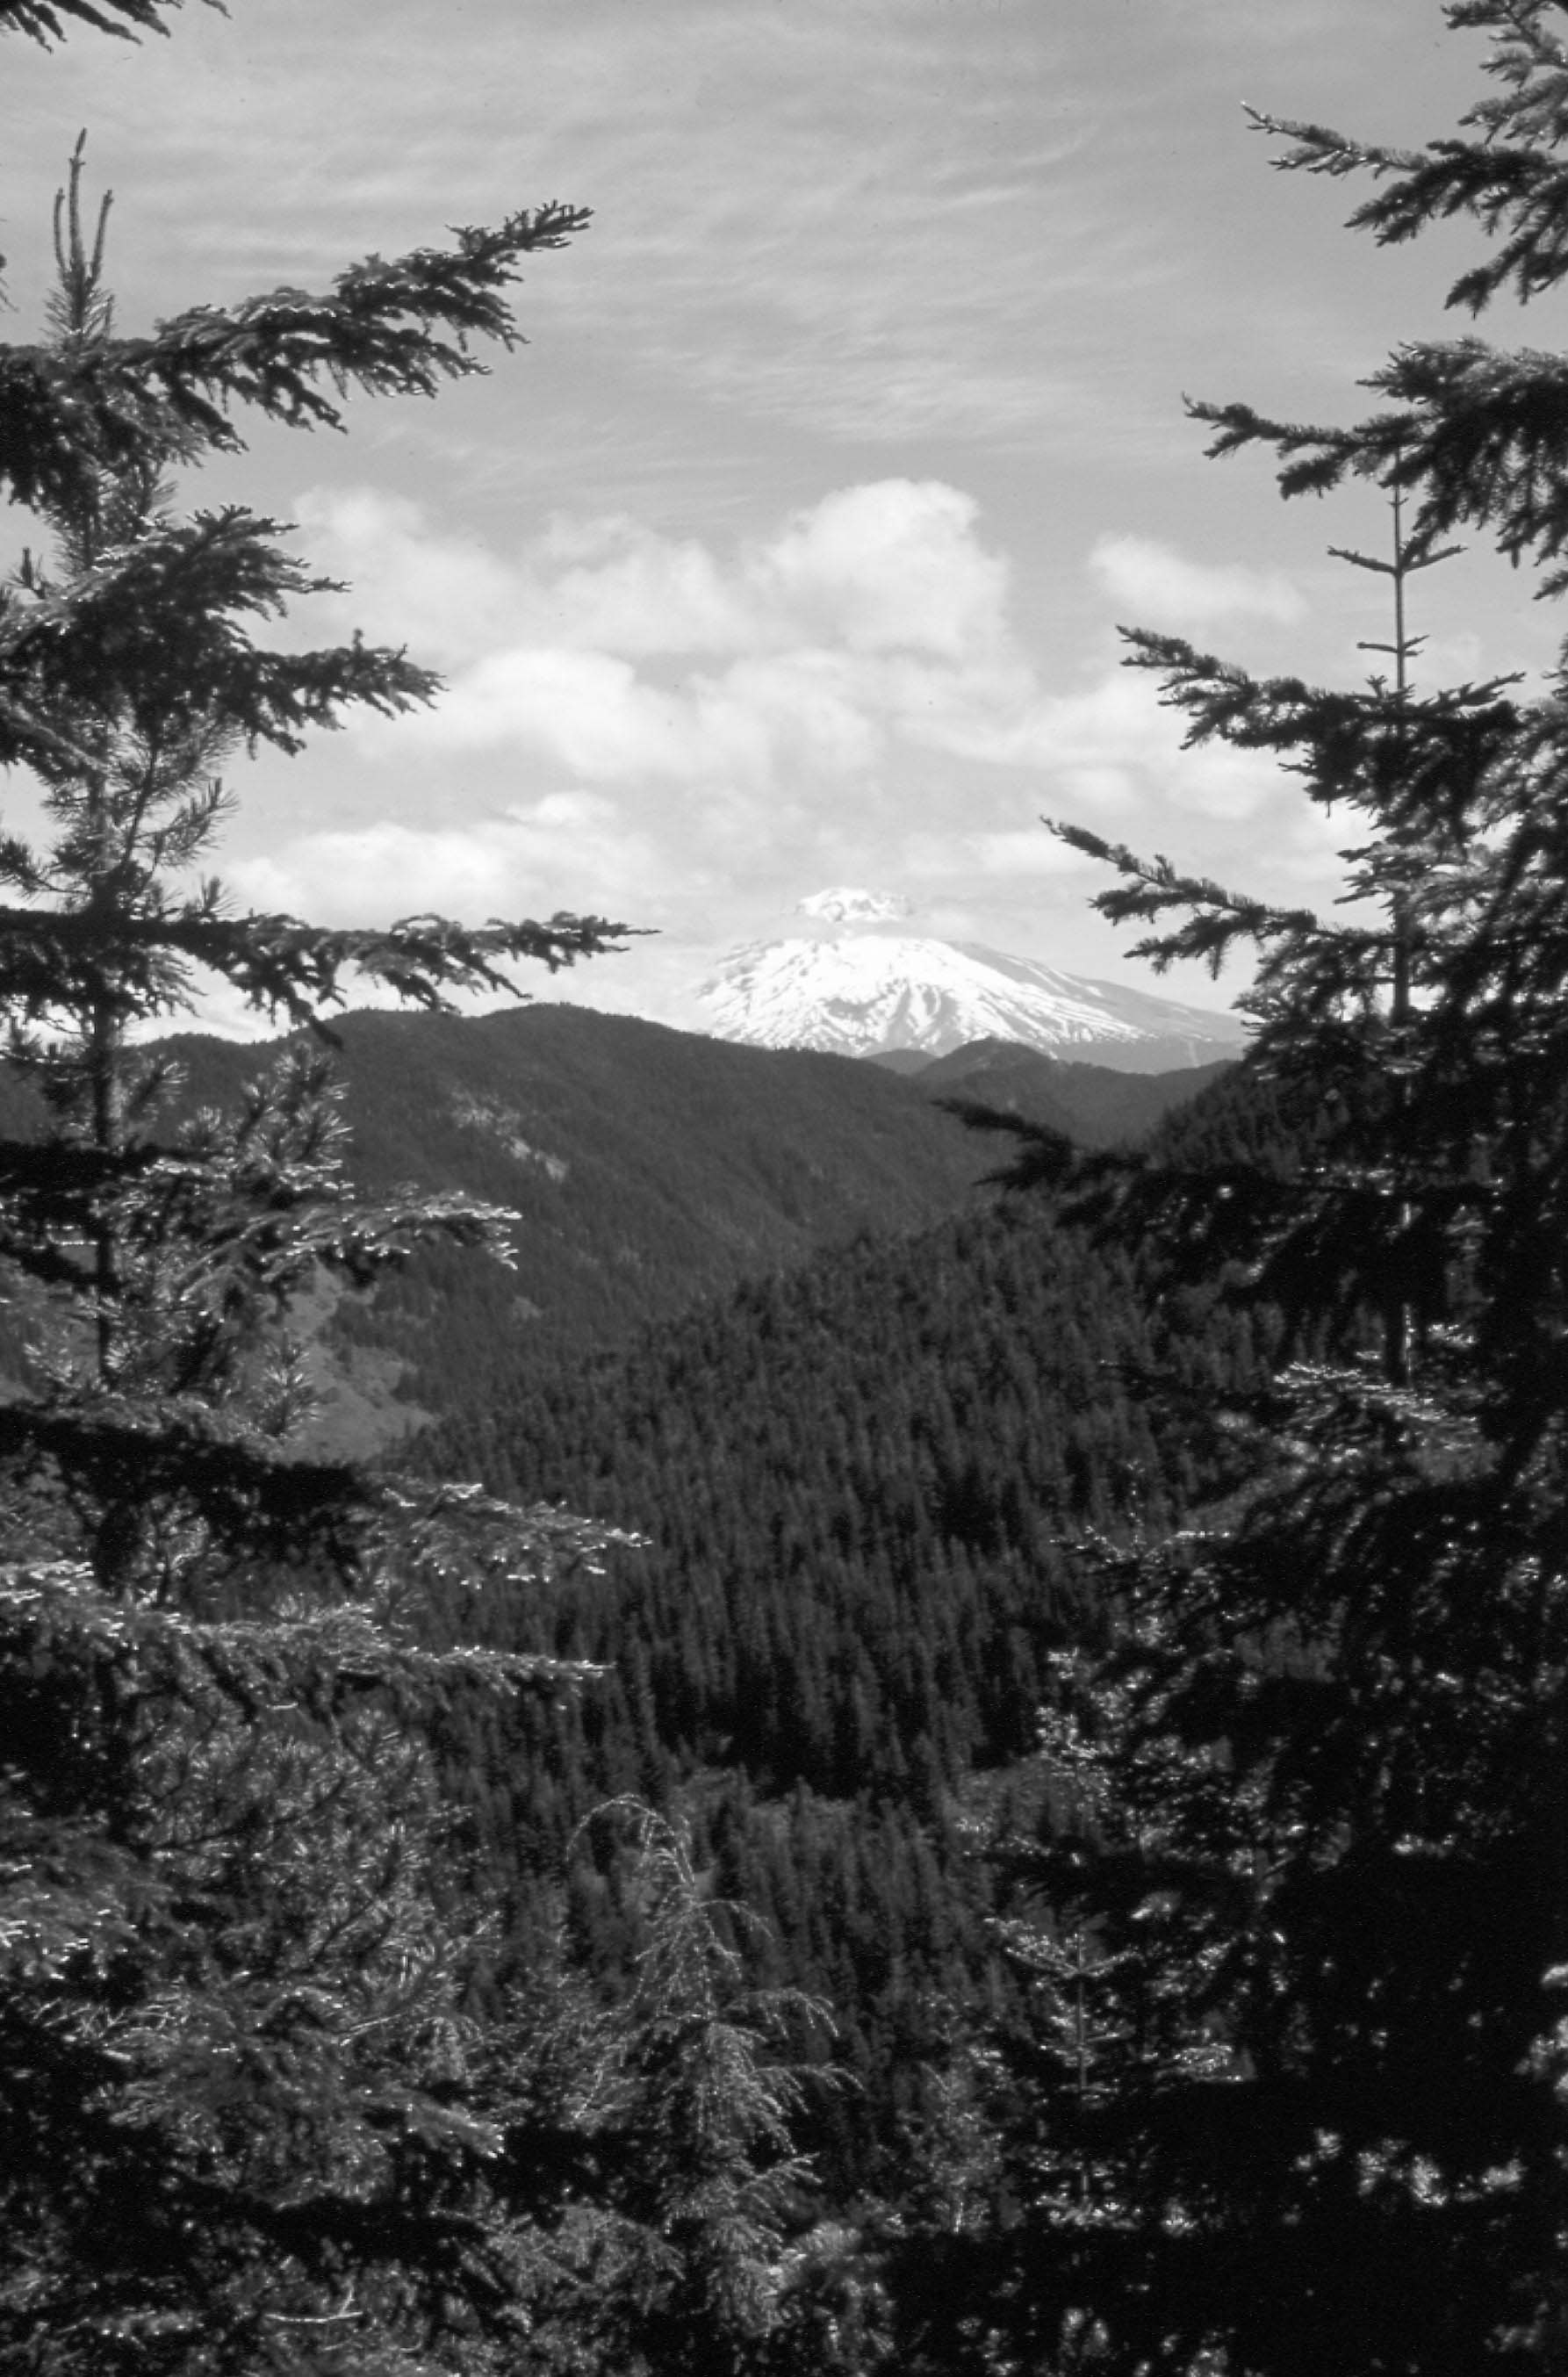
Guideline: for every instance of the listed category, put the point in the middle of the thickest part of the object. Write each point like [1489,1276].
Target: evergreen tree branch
[50,958]
[1367,749]
[1153,887]
[314,1659]
[48,20]
[1509,179]
[1517,189]
[265,1505]
[1482,440]
[150,634]
[397,328]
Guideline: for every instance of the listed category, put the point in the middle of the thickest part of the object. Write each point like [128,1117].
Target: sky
[790,550]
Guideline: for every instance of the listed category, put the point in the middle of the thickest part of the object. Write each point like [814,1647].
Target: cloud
[677,729]
[1025,852]
[894,567]
[878,222]
[534,858]
[606,584]
[1163,588]
[874,617]
[1109,752]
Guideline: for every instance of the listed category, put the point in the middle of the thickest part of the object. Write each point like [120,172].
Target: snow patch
[502,1123]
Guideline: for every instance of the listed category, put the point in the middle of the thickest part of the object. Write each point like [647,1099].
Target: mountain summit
[844,906]
[866,993]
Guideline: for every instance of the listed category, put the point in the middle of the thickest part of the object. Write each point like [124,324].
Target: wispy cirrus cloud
[865,222]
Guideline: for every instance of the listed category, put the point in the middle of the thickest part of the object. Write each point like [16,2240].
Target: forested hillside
[862,1486]
[645,1168]
[1093,1104]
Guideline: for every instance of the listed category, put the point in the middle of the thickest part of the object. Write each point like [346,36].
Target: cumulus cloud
[1025,852]
[894,567]
[875,616]
[673,729]
[867,632]
[1163,588]
[1107,751]
[532,858]
[607,584]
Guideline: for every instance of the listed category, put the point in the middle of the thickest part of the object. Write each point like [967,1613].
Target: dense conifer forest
[948,1754]
[860,1486]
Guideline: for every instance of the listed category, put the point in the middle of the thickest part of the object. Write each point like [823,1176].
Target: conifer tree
[1338,1758]
[688,2268]
[245,2126]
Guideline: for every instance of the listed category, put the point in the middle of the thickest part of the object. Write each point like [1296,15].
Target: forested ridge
[861,1485]
[641,1167]
[856,1445]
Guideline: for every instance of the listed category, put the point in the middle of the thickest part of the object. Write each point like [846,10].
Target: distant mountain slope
[1092,1104]
[869,991]
[649,1168]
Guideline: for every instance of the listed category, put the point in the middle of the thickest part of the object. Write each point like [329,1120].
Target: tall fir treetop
[1478,434]
[129,663]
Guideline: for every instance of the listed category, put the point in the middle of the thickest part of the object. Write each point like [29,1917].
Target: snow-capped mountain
[864,993]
